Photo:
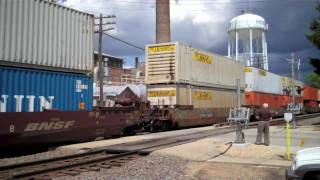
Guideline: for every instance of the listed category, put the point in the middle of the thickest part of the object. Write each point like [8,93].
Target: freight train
[190,87]
[46,82]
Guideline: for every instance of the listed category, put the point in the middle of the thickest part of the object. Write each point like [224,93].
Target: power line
[181,8]
[125,42]
[201,2]
[140,6]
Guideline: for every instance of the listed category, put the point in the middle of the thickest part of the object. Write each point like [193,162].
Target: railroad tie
[71,172]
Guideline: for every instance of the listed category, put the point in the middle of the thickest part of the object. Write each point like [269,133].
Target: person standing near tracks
[264,116]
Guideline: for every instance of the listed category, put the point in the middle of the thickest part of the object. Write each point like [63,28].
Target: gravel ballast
[153,166]
[36,157]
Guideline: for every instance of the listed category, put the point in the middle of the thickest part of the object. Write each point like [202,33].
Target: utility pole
[293,89]
[101,64]
[100,61]
[293,83]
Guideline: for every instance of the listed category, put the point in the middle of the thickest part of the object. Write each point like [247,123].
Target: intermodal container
[199,97]
[176,63]
[287,86]
[258,80]
[28,90]
[44,35]
[310,93]
[275,101]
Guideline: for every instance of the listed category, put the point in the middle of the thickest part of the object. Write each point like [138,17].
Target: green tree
[314,26]
[313,79]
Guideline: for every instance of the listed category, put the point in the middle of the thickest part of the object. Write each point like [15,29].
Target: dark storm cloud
[288,27]
[204,26]
[288,24]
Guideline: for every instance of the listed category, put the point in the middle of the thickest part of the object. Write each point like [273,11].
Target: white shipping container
[287,82]
[287,86]
[200,97]
[178,63]
[44,34]
[258,80]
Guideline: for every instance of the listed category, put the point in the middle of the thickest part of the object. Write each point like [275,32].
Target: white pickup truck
[306,165]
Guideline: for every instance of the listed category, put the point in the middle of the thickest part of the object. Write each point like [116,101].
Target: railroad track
[65,166]
[111,156]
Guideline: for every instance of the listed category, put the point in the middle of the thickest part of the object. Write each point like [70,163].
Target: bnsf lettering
[45,126]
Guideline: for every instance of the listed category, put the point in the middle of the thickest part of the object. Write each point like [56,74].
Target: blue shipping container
[28,90]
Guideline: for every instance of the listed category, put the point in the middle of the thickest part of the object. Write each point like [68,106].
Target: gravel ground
[35,157]
[230,171]
[152,167]
[205,149]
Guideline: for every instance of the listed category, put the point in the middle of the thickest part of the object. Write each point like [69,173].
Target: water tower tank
[247,40]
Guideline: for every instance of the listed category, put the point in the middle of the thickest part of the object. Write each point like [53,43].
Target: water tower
[247,40]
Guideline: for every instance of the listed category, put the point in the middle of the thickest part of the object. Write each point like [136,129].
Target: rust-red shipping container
[310,93]
[258,98]
[274,100]
[288,99]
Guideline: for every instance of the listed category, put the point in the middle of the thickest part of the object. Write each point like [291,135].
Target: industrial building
[115,72]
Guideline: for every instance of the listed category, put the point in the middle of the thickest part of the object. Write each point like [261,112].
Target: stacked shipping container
[199,97]
[311,96]
[310,93]
[258,80]
[178,74]
[182,64]
[44,35]
[26,90]
[266,87]
[46,54]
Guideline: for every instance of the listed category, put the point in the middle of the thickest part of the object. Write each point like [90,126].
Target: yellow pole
[288,140]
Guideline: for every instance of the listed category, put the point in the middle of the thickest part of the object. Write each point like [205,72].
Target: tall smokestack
[162,21]
[136,62]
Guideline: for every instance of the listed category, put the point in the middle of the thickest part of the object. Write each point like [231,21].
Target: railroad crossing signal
[288,117]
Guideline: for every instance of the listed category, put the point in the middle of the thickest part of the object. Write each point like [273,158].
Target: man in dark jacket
[264,116]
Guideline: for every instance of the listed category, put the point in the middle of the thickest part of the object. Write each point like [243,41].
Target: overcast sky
[203,24]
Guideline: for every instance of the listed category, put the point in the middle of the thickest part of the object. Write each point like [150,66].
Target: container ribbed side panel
[44,34]
[67,89]
[175,62]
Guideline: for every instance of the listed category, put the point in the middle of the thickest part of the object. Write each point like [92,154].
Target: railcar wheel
[166,125]
[129,131]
